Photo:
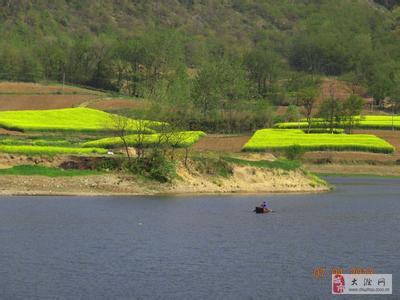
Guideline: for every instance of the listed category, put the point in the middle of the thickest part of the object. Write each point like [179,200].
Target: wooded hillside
[214,53]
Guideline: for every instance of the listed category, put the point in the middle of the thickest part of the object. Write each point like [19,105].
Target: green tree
[292,114]
[219,85]
[264,66]
[331,110]
[394,100]
[352,108]
[308,98]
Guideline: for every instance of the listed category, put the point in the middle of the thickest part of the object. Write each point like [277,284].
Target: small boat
[262,210]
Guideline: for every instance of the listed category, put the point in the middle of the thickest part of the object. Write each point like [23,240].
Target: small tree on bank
[120,127]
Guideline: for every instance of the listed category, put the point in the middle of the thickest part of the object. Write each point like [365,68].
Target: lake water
[188,247]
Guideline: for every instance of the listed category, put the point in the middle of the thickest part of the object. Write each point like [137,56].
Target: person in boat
[265,205]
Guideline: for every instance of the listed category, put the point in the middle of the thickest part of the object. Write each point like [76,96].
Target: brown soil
[116,104]
[10,132]
[35,88]
[337,157]
[361,169]
[221,143]
[28,102]
[339,89]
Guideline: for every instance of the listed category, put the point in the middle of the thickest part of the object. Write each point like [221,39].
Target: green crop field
[367,122]
[279,139]
[69,119]
[177,140]
[49,150]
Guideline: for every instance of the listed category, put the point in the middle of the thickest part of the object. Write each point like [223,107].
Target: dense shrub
[154,166]
[294,152]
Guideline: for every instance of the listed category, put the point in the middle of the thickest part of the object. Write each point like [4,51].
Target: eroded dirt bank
[243,180]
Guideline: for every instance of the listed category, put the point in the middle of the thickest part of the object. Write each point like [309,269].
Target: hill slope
[108,43]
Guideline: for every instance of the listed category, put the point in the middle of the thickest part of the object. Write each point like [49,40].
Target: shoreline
[357,175]
[244,180]
[162,194]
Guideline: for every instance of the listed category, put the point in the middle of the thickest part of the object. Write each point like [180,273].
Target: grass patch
[70,119]
[34,142]
[27,170]
[276,164]
[281,139]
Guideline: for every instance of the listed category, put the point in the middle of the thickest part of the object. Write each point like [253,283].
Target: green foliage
[35,170]
[294,152]
[219,85]
[292,114]
[351,109]
[265,67]
[209,61]
[331,110]
[109,163]
[281,139]
[155,166]
[149,41]
[308,98]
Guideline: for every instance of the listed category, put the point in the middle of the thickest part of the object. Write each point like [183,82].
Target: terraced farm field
[364,122]
[280,139]
[49,150]
[69,119]
[176,140]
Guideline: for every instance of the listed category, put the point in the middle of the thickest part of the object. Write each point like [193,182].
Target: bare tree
[131,132]
[140,137]
[120,126]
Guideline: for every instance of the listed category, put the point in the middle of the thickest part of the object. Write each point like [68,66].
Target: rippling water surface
[207,247]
